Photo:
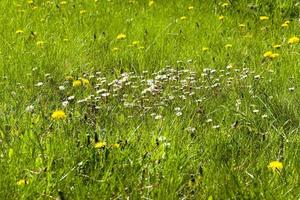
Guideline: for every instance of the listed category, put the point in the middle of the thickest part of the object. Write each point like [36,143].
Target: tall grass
[186,106]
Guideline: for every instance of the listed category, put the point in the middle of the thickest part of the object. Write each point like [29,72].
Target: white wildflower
[29,108]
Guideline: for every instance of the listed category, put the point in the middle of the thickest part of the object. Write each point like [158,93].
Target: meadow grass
[149,99]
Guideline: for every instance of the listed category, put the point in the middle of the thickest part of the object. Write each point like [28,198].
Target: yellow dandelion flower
[115,49]
[82,12]
[19,31]
[135,43]
[63,3]
[40,43]
[151,3]
[268,53]
[116,145]
[276,46]
[263,18]
[275,166]
[77,83]
[284,25]
[190,7]
[242,25]
[85,82]
[121,36]
[22,182]
[274,55]
[228,46]
[30,1]
[204,49]
[293,40]
[183,18]
[58,114]
[271,55]
[224,5]
[100,145]
[221,17]
[287,22]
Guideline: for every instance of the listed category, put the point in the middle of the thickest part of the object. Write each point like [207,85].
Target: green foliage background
[57,158]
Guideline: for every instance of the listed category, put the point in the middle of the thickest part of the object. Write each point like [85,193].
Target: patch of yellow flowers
[22,182]
[264,18]
[121,36]
[271,55]
[293,40]
[58,115]
[103,144]
[81,81]
[151,3]
[275,166]
[285,24]
[183,18]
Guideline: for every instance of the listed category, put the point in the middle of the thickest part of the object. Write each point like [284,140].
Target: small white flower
[171,97]
[153,114]
[182,97]
[216,126]
[65,103]
[255,111]
[215,85]
[82,101]
[264,116]
[101,91]
[292,89]
[190,129]
[257,77]
[70,98]
[161,138]
[229,67]
[243,77]
[157,117]
[178,114]
[209,120]
[177,109]
[61,87]
[39,84]
[105,94]
[29,108]
[128,105]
